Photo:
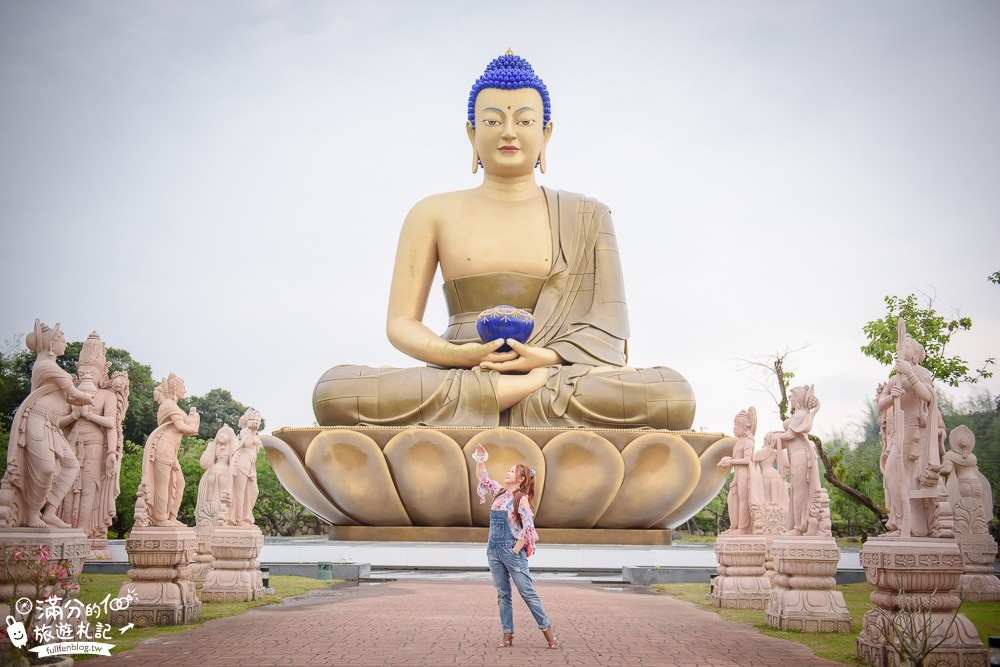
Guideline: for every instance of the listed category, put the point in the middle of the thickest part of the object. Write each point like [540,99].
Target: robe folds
[580,312]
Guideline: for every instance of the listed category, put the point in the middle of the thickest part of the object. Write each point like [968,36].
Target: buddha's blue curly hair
[509,72]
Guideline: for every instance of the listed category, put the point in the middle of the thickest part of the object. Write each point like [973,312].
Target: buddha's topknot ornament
[509,72]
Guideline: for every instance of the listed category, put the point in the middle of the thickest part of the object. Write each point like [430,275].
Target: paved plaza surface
[413,621]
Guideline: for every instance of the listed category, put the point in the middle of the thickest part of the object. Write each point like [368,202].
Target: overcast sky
[217,187]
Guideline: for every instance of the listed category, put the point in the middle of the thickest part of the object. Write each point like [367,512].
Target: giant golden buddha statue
[565,398]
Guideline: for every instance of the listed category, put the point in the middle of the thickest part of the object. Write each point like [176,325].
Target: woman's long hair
[525,488]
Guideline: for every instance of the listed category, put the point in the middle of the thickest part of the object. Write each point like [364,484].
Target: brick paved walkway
[419,622]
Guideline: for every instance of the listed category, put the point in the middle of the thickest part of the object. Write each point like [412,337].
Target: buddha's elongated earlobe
[471,131]
[547,132]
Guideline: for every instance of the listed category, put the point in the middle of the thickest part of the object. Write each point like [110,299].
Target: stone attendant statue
[41,466]
[803,468]
[744,428]
[162,486]
[768,490]
[95,433]
[509,242]
[243,471]
[912,439]
[215,486]
[969,491]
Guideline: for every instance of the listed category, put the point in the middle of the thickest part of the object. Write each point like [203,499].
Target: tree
[929,329]
[216,408]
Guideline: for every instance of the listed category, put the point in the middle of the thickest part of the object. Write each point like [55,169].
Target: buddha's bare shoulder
[438,207]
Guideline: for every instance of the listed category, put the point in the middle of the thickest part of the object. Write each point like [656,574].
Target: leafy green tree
[929,329]
[129,476]
[216,408]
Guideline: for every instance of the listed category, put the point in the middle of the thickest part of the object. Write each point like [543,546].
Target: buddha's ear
[471,131]
[546,135]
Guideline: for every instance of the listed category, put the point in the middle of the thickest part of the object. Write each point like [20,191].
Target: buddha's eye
[491,122]
[526,122]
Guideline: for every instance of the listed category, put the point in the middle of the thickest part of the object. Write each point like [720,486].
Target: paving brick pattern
[415,622]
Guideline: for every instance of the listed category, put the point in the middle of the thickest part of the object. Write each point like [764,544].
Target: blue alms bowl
[505,322]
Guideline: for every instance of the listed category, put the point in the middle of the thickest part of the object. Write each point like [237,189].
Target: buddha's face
[509,134]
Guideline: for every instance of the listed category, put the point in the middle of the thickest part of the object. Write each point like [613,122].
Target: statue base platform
[455,534]
[802,589]
[203,555]
[160,579]
[418,477]
[235,575]
[742,582]
[916,580]
[69,544]
[979,583]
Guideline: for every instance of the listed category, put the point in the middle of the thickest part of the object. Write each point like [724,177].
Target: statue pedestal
[203,555]
[978,581]
[69,544]
[742,581]
[802,590]
[235,574]
[916,582]
[160,578]
[99,549]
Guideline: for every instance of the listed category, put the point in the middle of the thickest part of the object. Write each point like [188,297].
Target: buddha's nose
[509,130]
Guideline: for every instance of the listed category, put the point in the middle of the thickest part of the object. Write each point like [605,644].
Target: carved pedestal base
[235,573]
[741,583]
[802,591]
[203,555]
[99,549]
[916,582]
[978,581]
[160,578]
[69,544]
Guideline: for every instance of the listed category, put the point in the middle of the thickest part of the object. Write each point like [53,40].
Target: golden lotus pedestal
[593,486]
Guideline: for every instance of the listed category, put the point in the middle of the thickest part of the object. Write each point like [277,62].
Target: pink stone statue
[968,489]
[95,434]
[214,488]
[768,491]
[804,517]
[744,428]
[159,495]
[41,466]
[912,447]
[243,471]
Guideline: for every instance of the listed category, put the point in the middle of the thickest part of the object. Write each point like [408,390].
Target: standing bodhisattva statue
[162,487]
[913,444]
[509,242]
[95,433]
[41,466]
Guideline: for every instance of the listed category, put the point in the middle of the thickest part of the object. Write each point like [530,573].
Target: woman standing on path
[511,540]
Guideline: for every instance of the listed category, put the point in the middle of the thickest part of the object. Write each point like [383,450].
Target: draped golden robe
[580,312]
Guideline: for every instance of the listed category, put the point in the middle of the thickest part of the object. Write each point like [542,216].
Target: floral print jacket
[504,501]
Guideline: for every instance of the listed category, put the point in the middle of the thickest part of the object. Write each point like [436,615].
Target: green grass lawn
[94,587]
[830,645]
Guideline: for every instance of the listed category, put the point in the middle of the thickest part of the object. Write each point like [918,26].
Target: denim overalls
[506,565]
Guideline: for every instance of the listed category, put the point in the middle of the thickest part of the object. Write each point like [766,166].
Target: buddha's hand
[526,358]
[470,355]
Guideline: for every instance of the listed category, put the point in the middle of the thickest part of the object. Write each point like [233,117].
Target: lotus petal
[661,470]
[709,483]
[351,470]
[294,477]
[425,464]
[583,475]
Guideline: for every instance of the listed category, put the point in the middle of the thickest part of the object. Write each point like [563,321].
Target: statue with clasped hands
[510,242]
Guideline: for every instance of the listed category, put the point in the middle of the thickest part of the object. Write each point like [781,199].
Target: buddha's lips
[509,149]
